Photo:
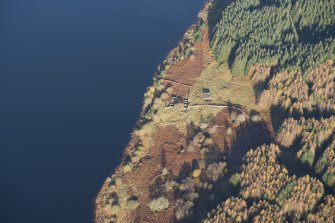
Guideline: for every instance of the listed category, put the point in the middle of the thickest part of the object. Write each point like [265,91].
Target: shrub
[215,171]
[256,118]
[132,204]
[241,118]
[159,204]
[196,173]
[183,209]
[169,90]
[235,179]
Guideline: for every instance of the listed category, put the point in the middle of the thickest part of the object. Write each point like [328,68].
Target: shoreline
[169,56]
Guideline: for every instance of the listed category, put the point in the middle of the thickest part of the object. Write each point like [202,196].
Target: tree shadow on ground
[261,85]
[294,166]
[323,147]
[248,136]
[278,115]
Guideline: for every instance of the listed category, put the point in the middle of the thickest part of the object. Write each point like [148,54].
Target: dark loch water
[72,78]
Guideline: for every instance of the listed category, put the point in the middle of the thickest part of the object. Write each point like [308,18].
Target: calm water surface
[72,78]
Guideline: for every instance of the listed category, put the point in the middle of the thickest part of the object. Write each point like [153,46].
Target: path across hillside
[220,106]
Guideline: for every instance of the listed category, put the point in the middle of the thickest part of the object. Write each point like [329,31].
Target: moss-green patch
[286,192]
[223,87]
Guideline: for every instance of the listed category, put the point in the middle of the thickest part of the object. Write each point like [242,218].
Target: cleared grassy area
[224,87]
[171,116]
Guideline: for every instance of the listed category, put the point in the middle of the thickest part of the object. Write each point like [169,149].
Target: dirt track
[220,106]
